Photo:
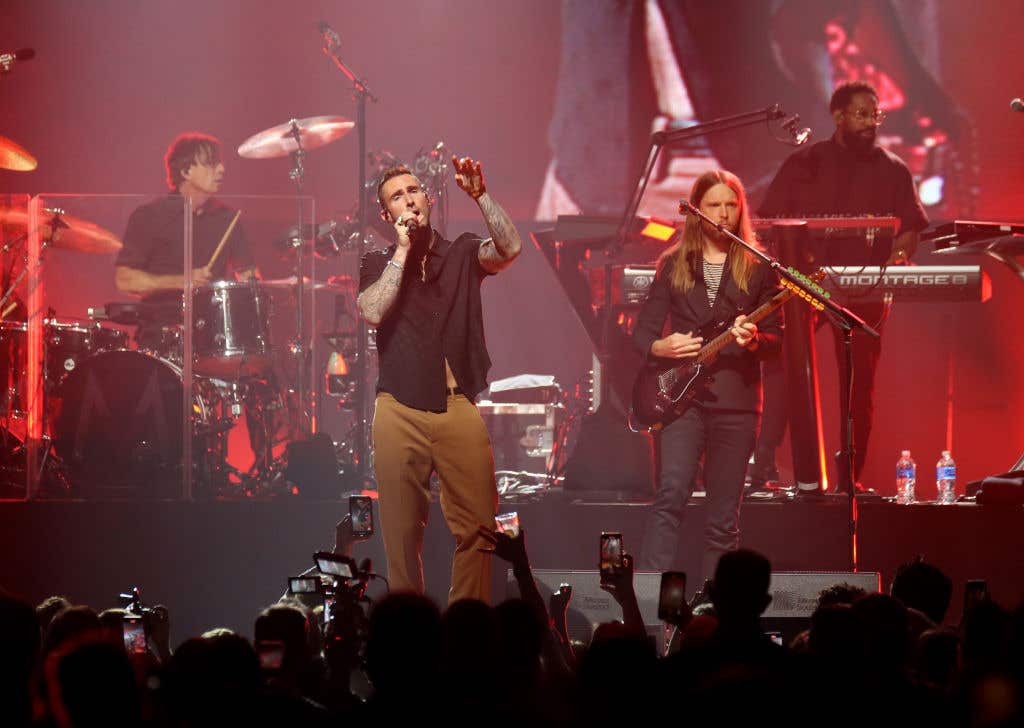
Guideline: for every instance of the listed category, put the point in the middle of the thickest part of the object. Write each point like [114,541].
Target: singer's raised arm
[504,244]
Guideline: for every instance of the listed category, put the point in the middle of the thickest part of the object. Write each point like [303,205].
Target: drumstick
[220,245]
[10,307]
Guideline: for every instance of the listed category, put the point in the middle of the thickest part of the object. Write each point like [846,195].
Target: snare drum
[231,329]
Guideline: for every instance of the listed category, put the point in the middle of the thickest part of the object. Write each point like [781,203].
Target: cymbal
[15,157]
[334,283]
[278,141]
[72,233]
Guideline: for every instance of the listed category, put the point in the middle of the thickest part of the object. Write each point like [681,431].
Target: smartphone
[271,654]
[775,637]
[672,597]
[611,554]
[304,584]
[133,629]
[360,510]
[975,592]
[508,523]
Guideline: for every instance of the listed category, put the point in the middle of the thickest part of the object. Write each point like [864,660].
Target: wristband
[397,265]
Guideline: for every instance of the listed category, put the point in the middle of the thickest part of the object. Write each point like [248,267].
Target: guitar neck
[710,350]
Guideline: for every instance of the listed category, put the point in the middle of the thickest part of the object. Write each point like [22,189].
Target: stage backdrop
[114,80]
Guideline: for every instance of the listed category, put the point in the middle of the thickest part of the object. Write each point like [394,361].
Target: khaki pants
[408,444]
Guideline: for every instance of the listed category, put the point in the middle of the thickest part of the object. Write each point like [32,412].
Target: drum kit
[112,413]
[112,408]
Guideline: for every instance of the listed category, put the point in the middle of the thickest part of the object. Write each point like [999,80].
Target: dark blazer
[736,372]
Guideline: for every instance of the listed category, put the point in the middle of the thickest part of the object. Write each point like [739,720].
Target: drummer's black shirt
[154,243]
[432,320]
[156,230]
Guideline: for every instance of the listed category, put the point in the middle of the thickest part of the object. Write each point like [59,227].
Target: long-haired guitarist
[705,285]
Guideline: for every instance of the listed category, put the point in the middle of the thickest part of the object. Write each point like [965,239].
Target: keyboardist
[847,174]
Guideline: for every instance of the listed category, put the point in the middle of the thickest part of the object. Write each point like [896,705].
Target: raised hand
[469,176]
[620,583]
[558,602]
[510,548]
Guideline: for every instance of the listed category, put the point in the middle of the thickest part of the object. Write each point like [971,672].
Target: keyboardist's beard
[861,143]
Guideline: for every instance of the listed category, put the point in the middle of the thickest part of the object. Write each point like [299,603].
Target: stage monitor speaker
[590,606]
[795,596]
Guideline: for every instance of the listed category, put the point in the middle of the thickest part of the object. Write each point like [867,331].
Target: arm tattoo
[505,244]
[377,300]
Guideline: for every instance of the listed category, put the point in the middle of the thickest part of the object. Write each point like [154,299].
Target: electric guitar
[662,392]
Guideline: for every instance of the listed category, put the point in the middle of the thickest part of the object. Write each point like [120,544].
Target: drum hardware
[295,138]
[338,284]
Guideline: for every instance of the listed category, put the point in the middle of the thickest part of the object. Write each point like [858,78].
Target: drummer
[150,263]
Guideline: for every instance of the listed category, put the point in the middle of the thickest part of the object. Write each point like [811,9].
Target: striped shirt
[712,279]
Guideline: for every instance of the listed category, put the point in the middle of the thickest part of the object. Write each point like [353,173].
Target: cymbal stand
[298,347]
[361,92]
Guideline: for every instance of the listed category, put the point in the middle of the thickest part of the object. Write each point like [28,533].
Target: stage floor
[218,563]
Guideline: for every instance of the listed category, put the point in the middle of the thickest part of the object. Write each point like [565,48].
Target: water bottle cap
[905,453]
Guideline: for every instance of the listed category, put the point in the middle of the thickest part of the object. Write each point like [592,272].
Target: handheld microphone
[7,59]
[332,41]
[1017,105]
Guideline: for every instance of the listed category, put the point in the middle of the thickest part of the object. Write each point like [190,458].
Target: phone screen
[672,596]
[360,509]
[611,554]
[271,654]
[303,585]
[134,631]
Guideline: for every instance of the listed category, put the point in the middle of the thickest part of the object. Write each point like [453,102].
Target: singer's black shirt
[827,179]
[434,319]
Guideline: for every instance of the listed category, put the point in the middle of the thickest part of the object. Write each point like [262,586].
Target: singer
[703,280]
[423,295]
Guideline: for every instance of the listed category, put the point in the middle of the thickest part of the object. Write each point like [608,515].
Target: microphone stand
[841,317]
[361,92]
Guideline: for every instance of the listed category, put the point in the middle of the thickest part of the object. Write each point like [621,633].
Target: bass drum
[119,428]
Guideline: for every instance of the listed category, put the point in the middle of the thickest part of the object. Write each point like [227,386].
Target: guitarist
[705,284]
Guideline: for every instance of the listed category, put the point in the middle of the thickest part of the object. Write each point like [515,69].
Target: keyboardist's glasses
[878,116]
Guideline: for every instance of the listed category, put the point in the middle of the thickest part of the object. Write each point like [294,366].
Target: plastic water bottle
[906,476]
[945,479]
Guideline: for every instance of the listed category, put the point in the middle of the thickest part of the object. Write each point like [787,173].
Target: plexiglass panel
[151,383]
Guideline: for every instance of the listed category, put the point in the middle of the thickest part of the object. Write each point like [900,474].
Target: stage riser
[217,564]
